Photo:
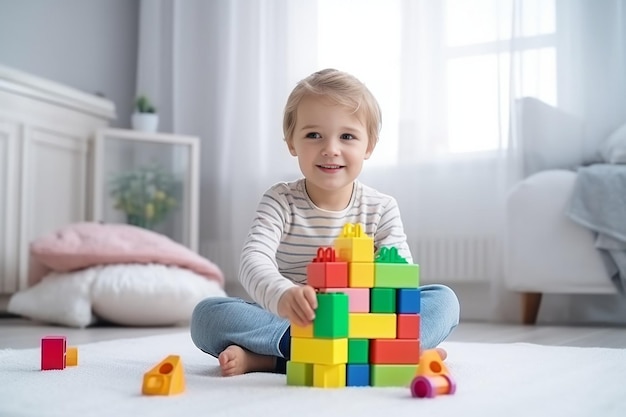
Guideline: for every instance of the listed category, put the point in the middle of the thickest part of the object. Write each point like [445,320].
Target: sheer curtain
[446,74]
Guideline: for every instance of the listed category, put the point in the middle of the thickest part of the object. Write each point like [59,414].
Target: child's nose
[331,148]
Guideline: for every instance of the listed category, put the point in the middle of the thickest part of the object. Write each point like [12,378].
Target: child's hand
[298,305]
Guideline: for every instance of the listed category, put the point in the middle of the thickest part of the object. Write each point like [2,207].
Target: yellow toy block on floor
[431,364]
[353,245]
[71,356]
[329,376]
[166,378]
[319,351]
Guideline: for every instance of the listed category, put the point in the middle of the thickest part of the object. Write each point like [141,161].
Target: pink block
[359,298]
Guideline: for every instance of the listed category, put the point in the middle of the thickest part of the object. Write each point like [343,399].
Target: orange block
[408,326]
[394,351]
[166,378]
[71,356]
[300,331]
[430,364]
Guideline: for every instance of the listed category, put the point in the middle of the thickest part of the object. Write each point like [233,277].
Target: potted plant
[146,195]
[145,117]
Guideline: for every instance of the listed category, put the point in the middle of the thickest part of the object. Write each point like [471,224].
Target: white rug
[492,380]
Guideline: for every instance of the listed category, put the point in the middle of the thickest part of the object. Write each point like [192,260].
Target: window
[467,76]
[480,37]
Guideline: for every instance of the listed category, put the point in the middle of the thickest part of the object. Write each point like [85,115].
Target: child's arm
[259,272]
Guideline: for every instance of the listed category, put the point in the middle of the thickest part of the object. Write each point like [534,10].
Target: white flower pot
[145,122]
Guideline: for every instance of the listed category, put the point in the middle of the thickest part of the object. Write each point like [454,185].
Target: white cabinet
[45,134]
[159,170]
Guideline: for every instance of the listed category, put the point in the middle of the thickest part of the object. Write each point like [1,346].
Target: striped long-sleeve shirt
[288,229]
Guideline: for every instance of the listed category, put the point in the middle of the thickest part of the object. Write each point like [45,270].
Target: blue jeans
[219,322]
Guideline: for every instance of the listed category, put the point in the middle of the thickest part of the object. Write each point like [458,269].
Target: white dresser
[45,133]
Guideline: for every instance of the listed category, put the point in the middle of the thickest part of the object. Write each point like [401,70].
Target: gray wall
[90,45]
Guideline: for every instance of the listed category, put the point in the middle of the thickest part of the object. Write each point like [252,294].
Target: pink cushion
[83,245]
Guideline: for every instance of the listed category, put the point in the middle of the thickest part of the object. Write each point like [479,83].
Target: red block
[408,326]
[326,272]
[53,350]
[394,351]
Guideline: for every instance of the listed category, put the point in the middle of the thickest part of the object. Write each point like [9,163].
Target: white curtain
[446,74]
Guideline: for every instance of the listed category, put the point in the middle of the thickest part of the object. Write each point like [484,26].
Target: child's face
[331,143]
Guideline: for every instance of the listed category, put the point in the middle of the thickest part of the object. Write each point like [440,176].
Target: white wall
[90,45]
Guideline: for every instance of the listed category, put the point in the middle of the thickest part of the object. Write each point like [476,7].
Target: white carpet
[492,380]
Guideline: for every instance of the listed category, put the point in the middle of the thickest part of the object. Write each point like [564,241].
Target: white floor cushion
[125,294]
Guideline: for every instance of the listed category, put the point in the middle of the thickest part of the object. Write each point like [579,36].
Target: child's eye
[313,135]
[347,136]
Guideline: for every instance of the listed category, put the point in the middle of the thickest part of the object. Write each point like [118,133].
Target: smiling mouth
[331,166]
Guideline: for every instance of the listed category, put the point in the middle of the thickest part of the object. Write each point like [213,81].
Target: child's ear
[291,148]
[368,152]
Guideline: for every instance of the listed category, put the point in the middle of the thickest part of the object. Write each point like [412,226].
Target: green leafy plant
[143,105]
[146,195]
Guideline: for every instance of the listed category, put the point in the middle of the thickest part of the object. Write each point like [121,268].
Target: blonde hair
[343,89]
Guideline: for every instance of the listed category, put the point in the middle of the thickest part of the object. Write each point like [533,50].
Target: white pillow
[140,295]
[125,294]
[59,298]
[613,150]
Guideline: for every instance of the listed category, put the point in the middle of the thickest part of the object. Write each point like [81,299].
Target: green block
[392,375]
[331,316]
[383,300]
[358,351]
[389,255]
[396,275]
[299,374]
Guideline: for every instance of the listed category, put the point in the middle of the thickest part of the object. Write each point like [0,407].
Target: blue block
[357,375]
[408,301]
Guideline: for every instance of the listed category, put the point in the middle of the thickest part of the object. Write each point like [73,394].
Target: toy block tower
[366,327]
[319,352]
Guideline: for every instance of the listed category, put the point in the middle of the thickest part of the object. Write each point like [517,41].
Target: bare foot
[235,360]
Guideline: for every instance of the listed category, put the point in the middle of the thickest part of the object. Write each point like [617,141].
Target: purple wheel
[422,387]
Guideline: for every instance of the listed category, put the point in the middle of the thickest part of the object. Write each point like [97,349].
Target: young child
[331,124]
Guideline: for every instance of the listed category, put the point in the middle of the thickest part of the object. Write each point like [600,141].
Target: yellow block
[71,356]
[355,249]
[371,326]
[329,376]
[299,331]
[354,245]
[166,378]
[319,351]
[361,275]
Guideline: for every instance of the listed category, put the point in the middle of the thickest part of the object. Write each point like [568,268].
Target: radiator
[449,259]
[464,259]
